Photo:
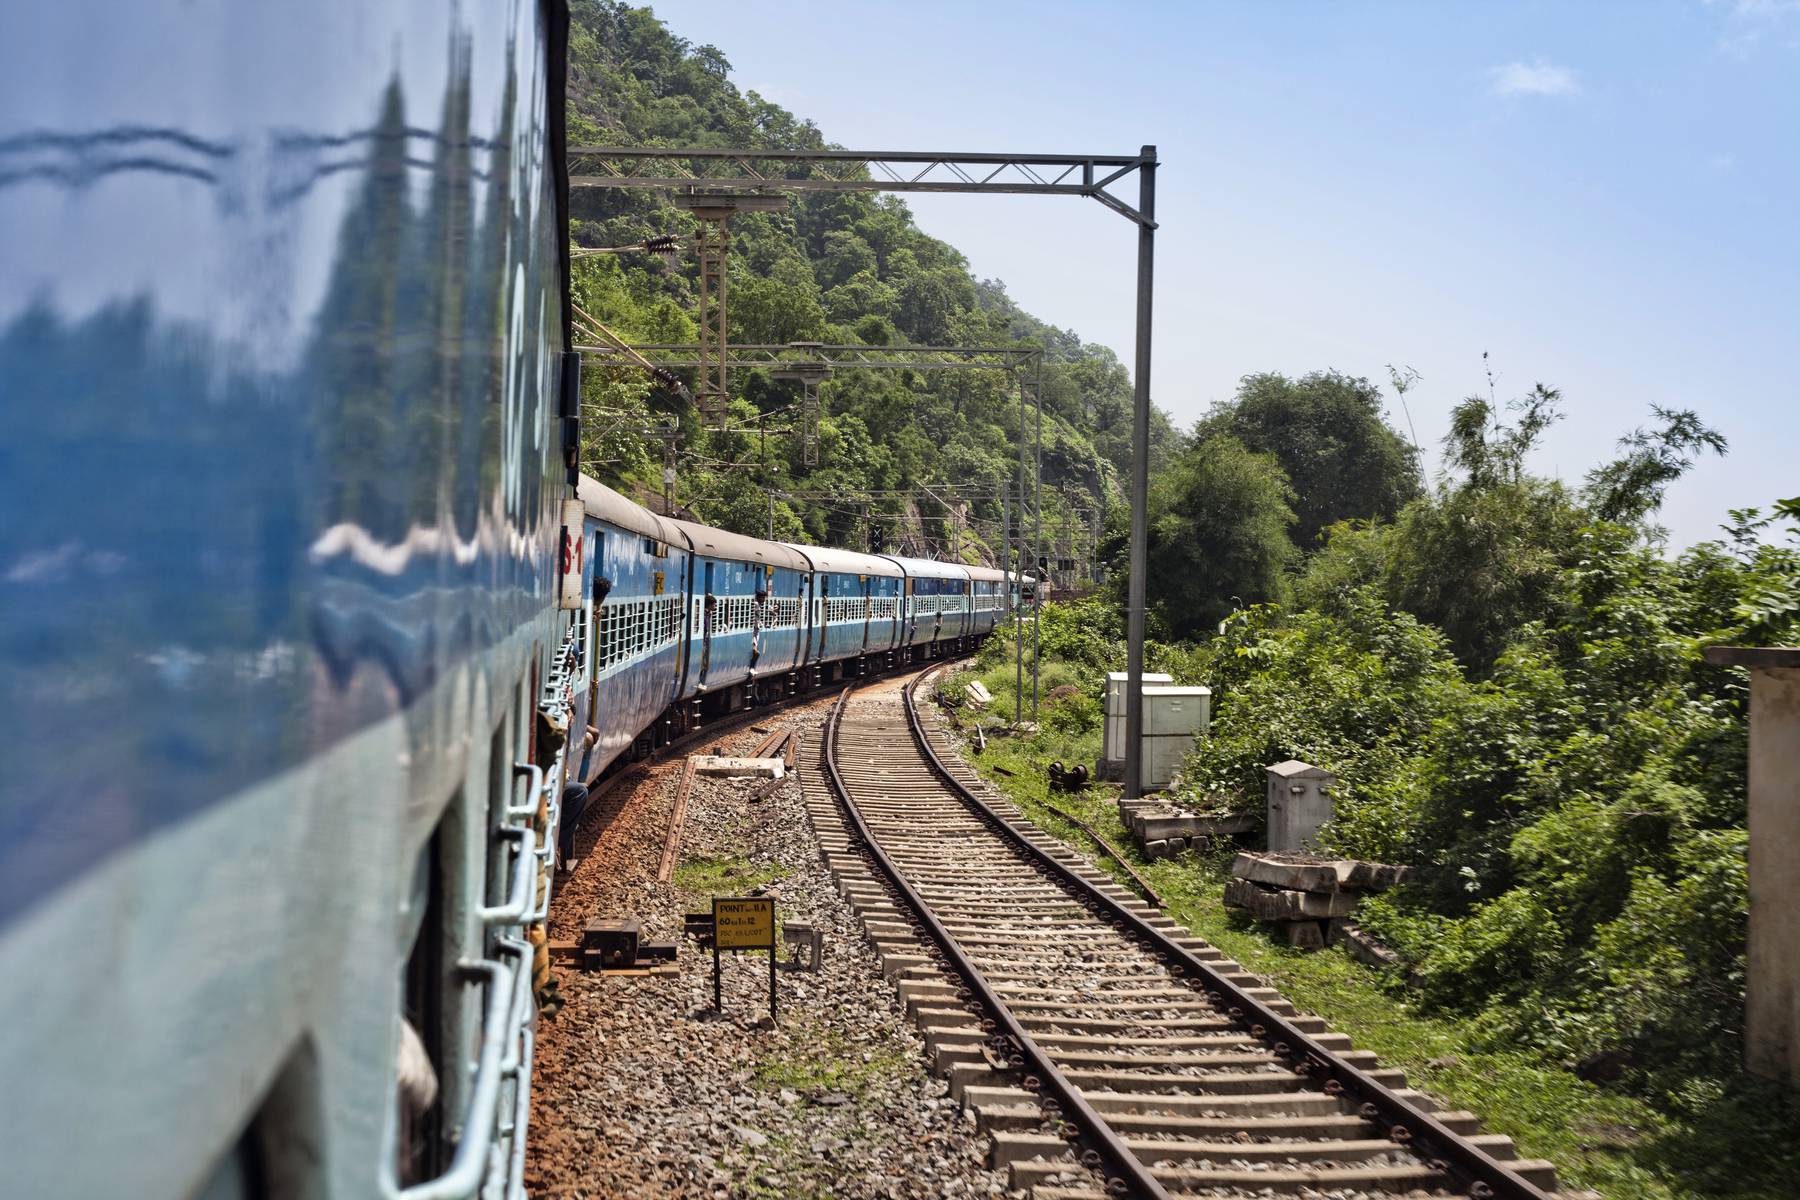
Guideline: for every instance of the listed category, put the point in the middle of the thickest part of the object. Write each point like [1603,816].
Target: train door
[801,589]
[597,647]
[803,635]
[688,627]
[708,610]
[868,604]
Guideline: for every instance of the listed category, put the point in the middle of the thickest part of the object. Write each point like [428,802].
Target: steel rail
[1143,885]
[1406,1124]
[1128,1175]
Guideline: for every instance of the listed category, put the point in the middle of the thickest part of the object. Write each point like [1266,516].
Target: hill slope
[836,269]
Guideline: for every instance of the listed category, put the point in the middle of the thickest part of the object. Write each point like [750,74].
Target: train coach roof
[986,574]
[717,543]
[847,562]
[925,568]
[604,504]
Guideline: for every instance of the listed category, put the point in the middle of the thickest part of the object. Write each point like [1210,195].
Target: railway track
[1104,1050]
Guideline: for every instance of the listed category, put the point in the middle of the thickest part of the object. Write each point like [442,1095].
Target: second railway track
[1105,1051]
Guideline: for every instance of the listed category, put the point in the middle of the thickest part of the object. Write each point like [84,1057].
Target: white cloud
[1535,78]
[1750,22]
[1757,9]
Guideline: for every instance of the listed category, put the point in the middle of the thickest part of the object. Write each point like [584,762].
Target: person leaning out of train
[574,801]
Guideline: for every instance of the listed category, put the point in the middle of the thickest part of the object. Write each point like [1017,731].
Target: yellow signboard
[746,924]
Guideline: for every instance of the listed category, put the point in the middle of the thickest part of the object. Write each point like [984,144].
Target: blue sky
[1605,197]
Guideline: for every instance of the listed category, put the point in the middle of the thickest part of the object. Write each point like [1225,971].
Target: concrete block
[1363,945]
[1308,873]
[1276,904]
[739,768]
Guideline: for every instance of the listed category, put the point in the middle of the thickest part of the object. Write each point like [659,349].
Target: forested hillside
[835,269]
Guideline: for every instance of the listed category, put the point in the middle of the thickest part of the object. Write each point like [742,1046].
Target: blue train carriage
[634,618]
[747,617]
[287,289]
[934,605]
[855,612]
[987,599]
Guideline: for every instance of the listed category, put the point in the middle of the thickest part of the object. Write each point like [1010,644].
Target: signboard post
[743,923]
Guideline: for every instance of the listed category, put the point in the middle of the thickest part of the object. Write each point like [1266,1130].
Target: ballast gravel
[641,1092]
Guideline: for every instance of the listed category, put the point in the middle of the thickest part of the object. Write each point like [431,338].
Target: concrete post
[1299,804]
[1772,979]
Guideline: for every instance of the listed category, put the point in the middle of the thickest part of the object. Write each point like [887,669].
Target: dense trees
[1235,504]
[1484,554]
[1508,679]
[1219,517]
[1328,432]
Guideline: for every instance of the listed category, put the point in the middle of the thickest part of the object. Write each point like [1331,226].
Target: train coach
[283,325]
[856,605]
[987,599]
[746,618]
[935,608]
[634,618]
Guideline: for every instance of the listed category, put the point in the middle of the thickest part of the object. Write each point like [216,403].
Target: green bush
[1574,813]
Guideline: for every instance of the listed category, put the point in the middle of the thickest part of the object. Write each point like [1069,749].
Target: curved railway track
[1105,1051]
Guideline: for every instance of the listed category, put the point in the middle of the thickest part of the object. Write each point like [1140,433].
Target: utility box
[1173,718]
[609,942]
[1112,748]
[1299,804]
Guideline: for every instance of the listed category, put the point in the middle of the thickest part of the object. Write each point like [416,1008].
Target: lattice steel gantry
[713,211]
[697,171]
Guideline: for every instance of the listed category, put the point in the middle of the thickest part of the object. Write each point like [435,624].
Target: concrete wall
[1772,1023]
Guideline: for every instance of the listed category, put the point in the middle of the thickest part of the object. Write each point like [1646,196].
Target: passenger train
[304,607]
[681,621]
